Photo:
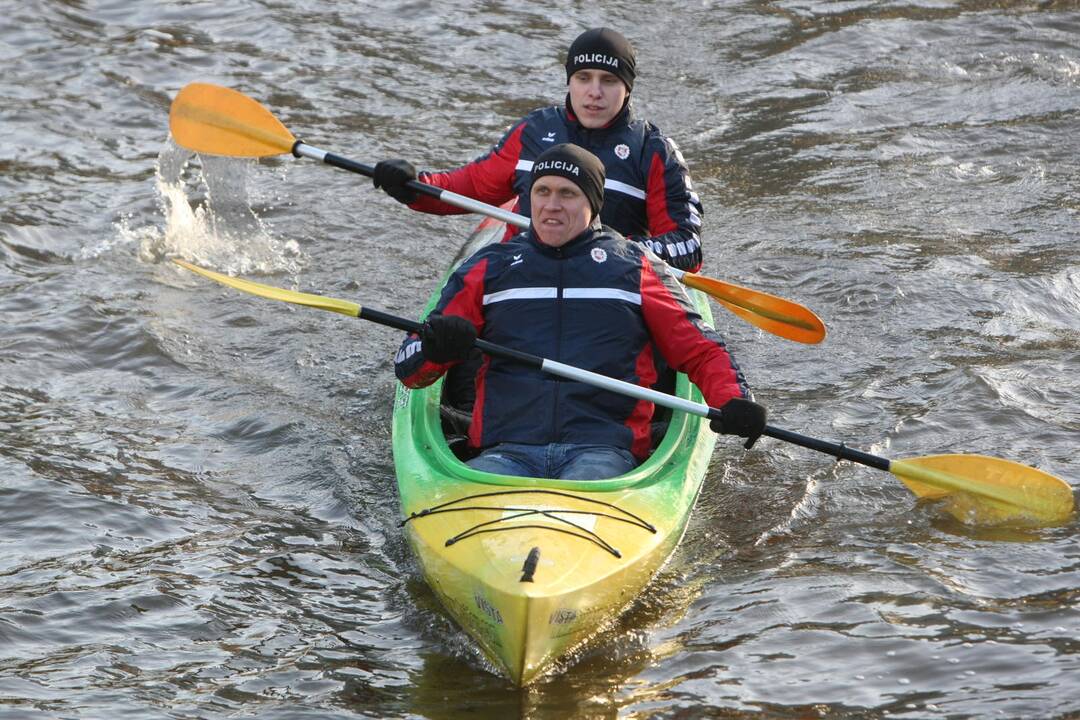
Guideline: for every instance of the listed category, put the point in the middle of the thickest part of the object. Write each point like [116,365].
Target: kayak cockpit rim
[430,432]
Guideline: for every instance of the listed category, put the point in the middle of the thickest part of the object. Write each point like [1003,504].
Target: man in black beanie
[596,97]
[563,212]
[573,289]
[648,197]
[603,49]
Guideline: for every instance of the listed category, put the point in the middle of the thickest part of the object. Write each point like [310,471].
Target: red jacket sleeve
[463,295]
[686,342]
[672,207]
[489,178]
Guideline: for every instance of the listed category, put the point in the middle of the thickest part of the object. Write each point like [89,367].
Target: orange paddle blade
[216,120]
[773,314]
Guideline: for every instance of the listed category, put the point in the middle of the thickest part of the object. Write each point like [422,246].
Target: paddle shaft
[837,450]
[556,368]
[302,149]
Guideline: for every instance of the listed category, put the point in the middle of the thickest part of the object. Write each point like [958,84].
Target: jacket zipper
[558,343]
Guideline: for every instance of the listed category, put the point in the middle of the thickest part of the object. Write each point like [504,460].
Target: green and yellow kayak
[532,568]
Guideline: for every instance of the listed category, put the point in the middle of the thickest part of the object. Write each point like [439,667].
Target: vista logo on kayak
[562,616]
[596,58]
[487,608]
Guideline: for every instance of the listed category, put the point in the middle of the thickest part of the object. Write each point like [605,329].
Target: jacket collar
[579,244]
[622,119]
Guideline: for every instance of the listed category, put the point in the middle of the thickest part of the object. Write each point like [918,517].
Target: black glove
[744,418]
[391,176]
[688,260]
[447,338]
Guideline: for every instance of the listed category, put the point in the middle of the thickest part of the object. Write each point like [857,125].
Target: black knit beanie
[603,49]
[577,165]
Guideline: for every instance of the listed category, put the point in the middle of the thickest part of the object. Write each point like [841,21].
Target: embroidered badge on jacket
[622,151]
[599,254]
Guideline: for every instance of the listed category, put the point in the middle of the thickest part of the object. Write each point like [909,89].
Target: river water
[198,515]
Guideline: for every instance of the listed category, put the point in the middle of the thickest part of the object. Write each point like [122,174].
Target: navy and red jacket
[648,196]
[599,303]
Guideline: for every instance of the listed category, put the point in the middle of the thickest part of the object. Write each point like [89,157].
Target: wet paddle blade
[273,293]
[983,490]
[773,314]
[216,120]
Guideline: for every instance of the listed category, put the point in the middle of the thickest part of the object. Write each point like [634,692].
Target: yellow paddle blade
[215,120]
[273,293]
[773,314]
[986,490]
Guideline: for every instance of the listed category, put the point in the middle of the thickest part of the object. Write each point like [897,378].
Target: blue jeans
[564,461]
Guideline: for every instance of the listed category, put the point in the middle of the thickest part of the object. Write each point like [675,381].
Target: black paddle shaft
[837,450]
[360,168]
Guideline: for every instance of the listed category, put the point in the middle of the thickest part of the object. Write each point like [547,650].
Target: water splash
[209,218]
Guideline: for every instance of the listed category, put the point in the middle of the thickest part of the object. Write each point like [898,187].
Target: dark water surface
[197,502]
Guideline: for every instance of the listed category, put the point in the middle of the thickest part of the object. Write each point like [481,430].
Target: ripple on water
[199,486]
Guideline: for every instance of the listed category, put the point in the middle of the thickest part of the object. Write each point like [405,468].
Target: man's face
[560,211]
[596,96]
